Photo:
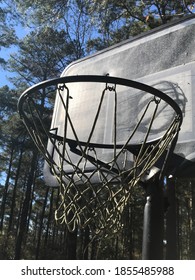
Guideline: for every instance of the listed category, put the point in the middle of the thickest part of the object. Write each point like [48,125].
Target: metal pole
[146,230]
[153,224]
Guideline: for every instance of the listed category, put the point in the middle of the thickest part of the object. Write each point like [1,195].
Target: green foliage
[119,20]
[42,55]
[7,32]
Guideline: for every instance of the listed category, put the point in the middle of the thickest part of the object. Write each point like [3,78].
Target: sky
[5,52]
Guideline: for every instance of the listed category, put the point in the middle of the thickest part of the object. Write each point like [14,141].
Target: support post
[153,225]
[146,230]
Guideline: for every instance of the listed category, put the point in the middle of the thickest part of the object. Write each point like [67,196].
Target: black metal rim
[100,79]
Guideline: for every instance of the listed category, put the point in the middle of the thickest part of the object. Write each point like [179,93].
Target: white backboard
[164,59]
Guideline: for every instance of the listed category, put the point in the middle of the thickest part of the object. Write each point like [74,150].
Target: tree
[119,20]
[7,32]
[94,24]
[11,133]
[69,16]
[42,55]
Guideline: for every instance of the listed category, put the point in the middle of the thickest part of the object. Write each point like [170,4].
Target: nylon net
[95,198]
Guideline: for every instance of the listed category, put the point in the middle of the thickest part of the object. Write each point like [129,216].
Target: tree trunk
[41,224]
[14,191]
[4,198]
[72,245]
[171,226]
[49,218]
[25,209]
[86,244]
[192,237]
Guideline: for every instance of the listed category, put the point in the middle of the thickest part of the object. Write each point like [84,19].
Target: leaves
[7,32]
[42,55]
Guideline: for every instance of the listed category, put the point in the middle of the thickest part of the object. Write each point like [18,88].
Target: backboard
[164,59]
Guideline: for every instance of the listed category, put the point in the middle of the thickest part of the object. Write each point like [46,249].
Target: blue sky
[5,53]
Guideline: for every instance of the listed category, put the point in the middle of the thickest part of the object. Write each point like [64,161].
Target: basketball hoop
[94,191]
